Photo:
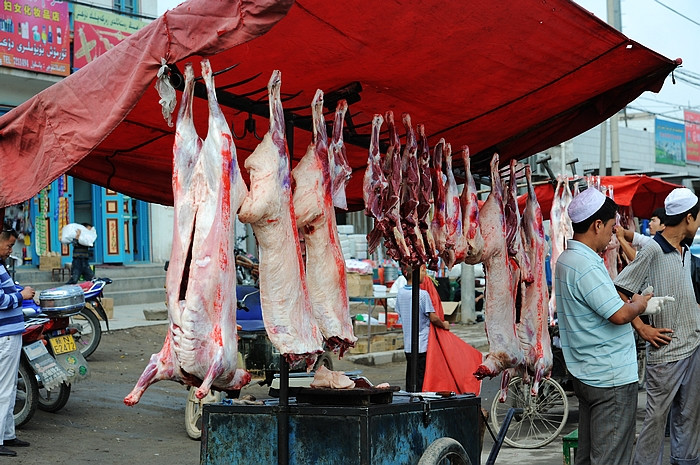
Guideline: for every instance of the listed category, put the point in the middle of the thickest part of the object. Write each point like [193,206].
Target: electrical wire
[678,13]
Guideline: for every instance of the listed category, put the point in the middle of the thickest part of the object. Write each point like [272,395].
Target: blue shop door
[117,240]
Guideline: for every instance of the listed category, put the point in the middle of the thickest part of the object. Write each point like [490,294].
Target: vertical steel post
[415,309]
[283,415]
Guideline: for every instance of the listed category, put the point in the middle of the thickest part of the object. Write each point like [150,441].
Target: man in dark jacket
[81,258]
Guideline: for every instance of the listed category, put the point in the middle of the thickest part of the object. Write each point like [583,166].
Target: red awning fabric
[642,193]
[515,78]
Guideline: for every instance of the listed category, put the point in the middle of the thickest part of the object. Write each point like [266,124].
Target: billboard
[692,136]
[670,143]
[96,31]
[34,36]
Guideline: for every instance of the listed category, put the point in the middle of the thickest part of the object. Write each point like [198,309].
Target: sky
[673,34]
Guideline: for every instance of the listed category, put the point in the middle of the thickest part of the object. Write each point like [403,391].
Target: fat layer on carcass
[499,306]
[284,297]
[200,348]
[340,168]
[455,243]
[560,230]
[533,329]
[315,216]
[471,228]
[438,226]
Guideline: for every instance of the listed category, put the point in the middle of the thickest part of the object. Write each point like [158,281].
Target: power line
[679,14]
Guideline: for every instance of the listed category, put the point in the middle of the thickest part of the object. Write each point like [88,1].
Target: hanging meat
[533,327]
[410,195]
[425,195]
[340,168]
[374,187]
[287,310]
[520,262]
[499,306]
[560,230]
[438,225]
[200,348]
[454,239]
[395,241]
[471,227]
[315,216]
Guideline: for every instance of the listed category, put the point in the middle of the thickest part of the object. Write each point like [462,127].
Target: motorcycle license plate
[63,344]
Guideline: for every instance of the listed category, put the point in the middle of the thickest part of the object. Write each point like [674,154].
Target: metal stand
[415,309]
[283,414]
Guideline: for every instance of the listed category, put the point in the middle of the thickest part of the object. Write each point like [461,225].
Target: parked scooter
[87,321]
[50,359]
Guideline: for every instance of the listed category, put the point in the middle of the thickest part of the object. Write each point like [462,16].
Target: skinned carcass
[315,217]
[340,168]
[425,197]
[410,195]
[499,306]
[455,243]
[438,226]
[533,328]
[560,231]
[200,348]
[284,297]
[374,186]
[471,227]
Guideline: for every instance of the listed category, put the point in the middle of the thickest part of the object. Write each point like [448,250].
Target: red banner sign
[34,35]
[692,135]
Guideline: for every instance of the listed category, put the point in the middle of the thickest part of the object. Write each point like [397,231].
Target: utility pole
[615,20]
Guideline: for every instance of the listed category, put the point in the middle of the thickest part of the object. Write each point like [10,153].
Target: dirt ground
[96,427]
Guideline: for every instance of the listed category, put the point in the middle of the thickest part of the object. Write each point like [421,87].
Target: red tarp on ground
[515,78]
[642,193]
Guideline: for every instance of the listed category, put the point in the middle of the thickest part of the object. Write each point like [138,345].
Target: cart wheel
[543,418]
[193,411]
[444,451]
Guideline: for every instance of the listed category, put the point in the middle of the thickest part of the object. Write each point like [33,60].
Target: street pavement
[129,316]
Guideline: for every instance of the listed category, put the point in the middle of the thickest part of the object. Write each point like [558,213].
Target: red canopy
[516,79]
[642,193]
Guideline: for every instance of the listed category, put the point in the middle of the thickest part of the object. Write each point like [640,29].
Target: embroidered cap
[585,204]
[680,200]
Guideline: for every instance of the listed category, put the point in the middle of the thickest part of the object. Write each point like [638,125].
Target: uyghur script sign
[692,135]
[96,31]
[34,36]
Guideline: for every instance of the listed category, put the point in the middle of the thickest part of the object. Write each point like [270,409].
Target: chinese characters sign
[692,135]
[96,31]
[34,35]
[670,143]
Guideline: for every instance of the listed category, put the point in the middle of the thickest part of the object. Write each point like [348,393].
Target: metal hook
[249,126]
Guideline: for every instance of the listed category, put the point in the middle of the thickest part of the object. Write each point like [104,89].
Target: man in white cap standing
[596,335]
[673,359]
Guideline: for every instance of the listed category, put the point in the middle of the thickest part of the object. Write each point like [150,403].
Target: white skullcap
[679,201]
[585,204]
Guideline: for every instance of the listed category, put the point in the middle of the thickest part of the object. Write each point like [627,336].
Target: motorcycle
[50,359]
[87,320]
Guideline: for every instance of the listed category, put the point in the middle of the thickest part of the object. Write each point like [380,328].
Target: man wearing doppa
[673,362]
[597,339]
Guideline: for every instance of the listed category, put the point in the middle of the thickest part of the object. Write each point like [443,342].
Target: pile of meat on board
[304,304]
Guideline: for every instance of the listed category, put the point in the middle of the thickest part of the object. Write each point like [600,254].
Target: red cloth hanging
[450,362]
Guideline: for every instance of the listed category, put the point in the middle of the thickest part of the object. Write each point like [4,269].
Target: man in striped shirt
[11,328]
[596,335]
[673,359]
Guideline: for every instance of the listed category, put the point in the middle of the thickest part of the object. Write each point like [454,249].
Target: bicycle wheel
[543,418]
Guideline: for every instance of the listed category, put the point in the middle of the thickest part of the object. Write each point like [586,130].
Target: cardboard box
[453,311]
[360,285]
[49,262]
[360,328]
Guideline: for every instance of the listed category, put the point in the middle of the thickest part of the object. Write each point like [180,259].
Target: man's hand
[656,304]
[28,293]
[446,325]
[655,336]
[77,233]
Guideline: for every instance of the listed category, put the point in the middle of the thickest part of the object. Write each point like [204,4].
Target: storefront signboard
[34,36]
[670,143]
[692,135]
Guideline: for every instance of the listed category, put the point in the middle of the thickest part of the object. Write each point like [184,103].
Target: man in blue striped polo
[596,335]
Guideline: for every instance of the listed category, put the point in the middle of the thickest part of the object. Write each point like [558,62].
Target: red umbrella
[639,191]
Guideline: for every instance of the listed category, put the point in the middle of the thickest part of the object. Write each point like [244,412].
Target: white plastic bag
[87,236]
